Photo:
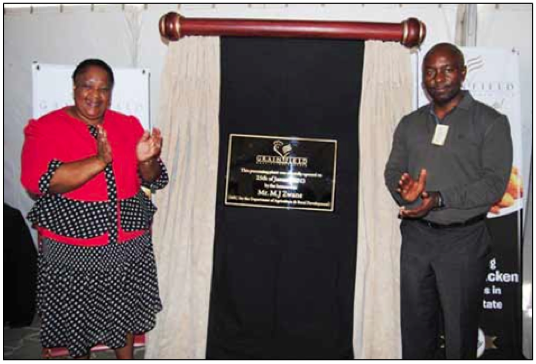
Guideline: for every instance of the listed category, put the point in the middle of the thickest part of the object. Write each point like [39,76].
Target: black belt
[435,225]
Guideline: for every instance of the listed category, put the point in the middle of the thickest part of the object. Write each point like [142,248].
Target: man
[450,162]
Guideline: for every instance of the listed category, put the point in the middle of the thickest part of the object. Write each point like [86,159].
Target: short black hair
[451,48]
[84,65]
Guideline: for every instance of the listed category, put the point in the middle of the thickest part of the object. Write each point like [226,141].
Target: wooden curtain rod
[410,32]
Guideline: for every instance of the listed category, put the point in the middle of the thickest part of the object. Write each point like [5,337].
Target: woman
[86,164]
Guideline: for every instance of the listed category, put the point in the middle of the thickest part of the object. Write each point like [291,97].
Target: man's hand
[104,150]
[429,201]
[149,146]
[410,189]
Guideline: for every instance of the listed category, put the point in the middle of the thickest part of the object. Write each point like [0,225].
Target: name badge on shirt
[440,134]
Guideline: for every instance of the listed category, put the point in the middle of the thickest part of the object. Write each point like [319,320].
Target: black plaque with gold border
[281,172]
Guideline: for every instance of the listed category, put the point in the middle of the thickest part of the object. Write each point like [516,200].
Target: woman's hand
[149,146]
[72,175]
[104,150]
[147,151]
[411,189]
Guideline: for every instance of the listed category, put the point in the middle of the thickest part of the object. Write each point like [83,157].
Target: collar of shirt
[465,103]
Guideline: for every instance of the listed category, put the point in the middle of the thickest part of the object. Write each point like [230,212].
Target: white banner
[53,89]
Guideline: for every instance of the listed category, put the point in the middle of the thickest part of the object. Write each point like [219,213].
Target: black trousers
[443,274]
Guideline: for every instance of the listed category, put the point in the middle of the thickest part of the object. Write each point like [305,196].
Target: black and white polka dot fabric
[84,220]
[137,212]
[44,181]
[66,217]
[92,295]
[112,195]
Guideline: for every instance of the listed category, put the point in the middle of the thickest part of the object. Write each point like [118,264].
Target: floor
[23,343]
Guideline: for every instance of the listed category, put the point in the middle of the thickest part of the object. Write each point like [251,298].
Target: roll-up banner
[493,78]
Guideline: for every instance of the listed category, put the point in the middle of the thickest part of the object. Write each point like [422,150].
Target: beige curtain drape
[386,97]
[184,223]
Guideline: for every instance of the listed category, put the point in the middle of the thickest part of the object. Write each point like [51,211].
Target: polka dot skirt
[92,295]
[95,295]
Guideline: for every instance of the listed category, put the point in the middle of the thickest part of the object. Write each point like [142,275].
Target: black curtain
[283,280]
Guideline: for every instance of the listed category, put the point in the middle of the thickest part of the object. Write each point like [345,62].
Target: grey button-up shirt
[471,169]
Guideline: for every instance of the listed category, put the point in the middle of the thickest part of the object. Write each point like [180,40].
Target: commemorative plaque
[281,172]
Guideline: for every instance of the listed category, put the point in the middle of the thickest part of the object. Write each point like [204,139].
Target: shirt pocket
[466,147]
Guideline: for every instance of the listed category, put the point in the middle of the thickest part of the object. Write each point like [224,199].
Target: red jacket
[59,137]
